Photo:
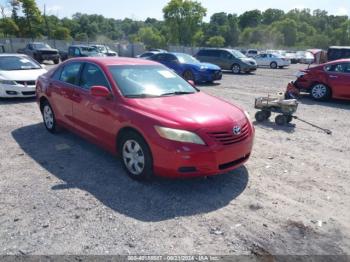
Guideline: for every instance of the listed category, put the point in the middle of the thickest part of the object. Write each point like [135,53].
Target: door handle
[76,95]
[332,76]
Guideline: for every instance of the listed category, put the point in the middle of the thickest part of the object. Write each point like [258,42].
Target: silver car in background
[272,60]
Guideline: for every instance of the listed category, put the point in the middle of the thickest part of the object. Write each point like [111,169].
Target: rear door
[93,116]
[339,79]
[62,86]
[226,60]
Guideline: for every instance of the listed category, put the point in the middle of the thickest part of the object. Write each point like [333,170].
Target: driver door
[95,116]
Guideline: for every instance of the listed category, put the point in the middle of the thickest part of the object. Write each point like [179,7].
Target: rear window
[338,53]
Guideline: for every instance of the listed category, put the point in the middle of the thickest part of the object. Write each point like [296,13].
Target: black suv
[338,52]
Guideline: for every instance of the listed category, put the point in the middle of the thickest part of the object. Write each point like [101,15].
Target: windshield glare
[8,63]
[149,80]
[187,59]
[41,46]
[237,54]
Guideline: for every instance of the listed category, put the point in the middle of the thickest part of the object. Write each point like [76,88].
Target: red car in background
[156,121]
[329,80]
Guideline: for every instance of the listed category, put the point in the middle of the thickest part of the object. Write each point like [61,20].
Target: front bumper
[17,91]
[208,76]
[179,160]
[249,67]
[48,56]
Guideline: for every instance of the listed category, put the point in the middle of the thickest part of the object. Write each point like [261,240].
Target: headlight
[247,115]
[8,82]
[179,135]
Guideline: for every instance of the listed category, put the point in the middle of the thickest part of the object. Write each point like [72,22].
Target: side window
[215,53]
[76,52]
[92,76]
[70,51]
[70,73]
[226,55]
[57,74]
[169,58]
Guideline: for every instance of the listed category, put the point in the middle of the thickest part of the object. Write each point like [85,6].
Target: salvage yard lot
[62,195]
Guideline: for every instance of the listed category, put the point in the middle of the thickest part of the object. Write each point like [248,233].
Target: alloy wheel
[133,157]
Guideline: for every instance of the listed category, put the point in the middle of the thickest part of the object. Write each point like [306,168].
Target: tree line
[183,24]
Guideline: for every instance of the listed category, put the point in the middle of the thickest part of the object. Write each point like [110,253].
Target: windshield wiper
[140,96]
[176,93]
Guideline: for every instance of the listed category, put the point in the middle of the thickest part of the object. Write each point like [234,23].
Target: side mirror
[191,82]
[100,91]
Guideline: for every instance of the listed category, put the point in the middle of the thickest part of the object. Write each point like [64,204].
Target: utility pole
[47,24]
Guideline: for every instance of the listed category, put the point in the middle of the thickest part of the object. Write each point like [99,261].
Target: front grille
[24,83]
[29,93]
[229,138]
[218,75]
[48,52]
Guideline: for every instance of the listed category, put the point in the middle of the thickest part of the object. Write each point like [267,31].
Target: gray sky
[141,9]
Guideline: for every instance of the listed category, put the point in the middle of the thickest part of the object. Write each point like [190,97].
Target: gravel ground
[62,195]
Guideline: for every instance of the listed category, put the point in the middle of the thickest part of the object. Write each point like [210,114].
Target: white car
[18,74]
[272,60]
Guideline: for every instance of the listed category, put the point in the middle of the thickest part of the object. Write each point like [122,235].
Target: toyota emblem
[237,130]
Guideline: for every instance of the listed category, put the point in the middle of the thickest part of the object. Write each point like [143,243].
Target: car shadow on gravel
[334,103]
[12,101]
[85,166]
[270,125]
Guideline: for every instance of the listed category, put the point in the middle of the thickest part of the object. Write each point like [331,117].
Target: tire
[56,61]
[281,120]
[260,116]
[273,65]
[289,118]
[320,92]
[49,118]
[236,69]
[188,75]
[136,156]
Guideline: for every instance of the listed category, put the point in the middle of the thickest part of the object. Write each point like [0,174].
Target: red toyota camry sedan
[158,123]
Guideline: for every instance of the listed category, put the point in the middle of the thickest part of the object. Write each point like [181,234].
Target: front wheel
[49,118]
[188,75]
[273,65]
[136,156]
[320,92]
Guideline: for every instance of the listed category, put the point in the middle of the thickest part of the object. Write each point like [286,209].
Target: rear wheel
[320,92]
[136,156]
[49,118]
[273,65]
[236,69]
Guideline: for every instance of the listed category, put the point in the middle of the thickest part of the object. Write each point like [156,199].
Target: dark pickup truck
[40,52]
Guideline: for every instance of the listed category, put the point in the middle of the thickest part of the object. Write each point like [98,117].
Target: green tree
[288,28]
[216,41]
[8,27]
[250,19]
[61,33]
[183,19]
[272,15]
[33,17]
[151,37]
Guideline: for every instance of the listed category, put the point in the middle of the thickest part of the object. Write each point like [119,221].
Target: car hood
[248,60]
[22,75]
[190,112]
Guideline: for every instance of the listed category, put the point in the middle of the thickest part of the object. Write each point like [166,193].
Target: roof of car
[13,54]
[108,61]
[339,47]
[345,60]
[79,46]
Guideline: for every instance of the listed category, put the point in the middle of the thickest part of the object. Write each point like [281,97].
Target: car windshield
[141,81]
[41,46]
[86,49]
[237,54]
[187,59]
[11,63]
[101,49]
